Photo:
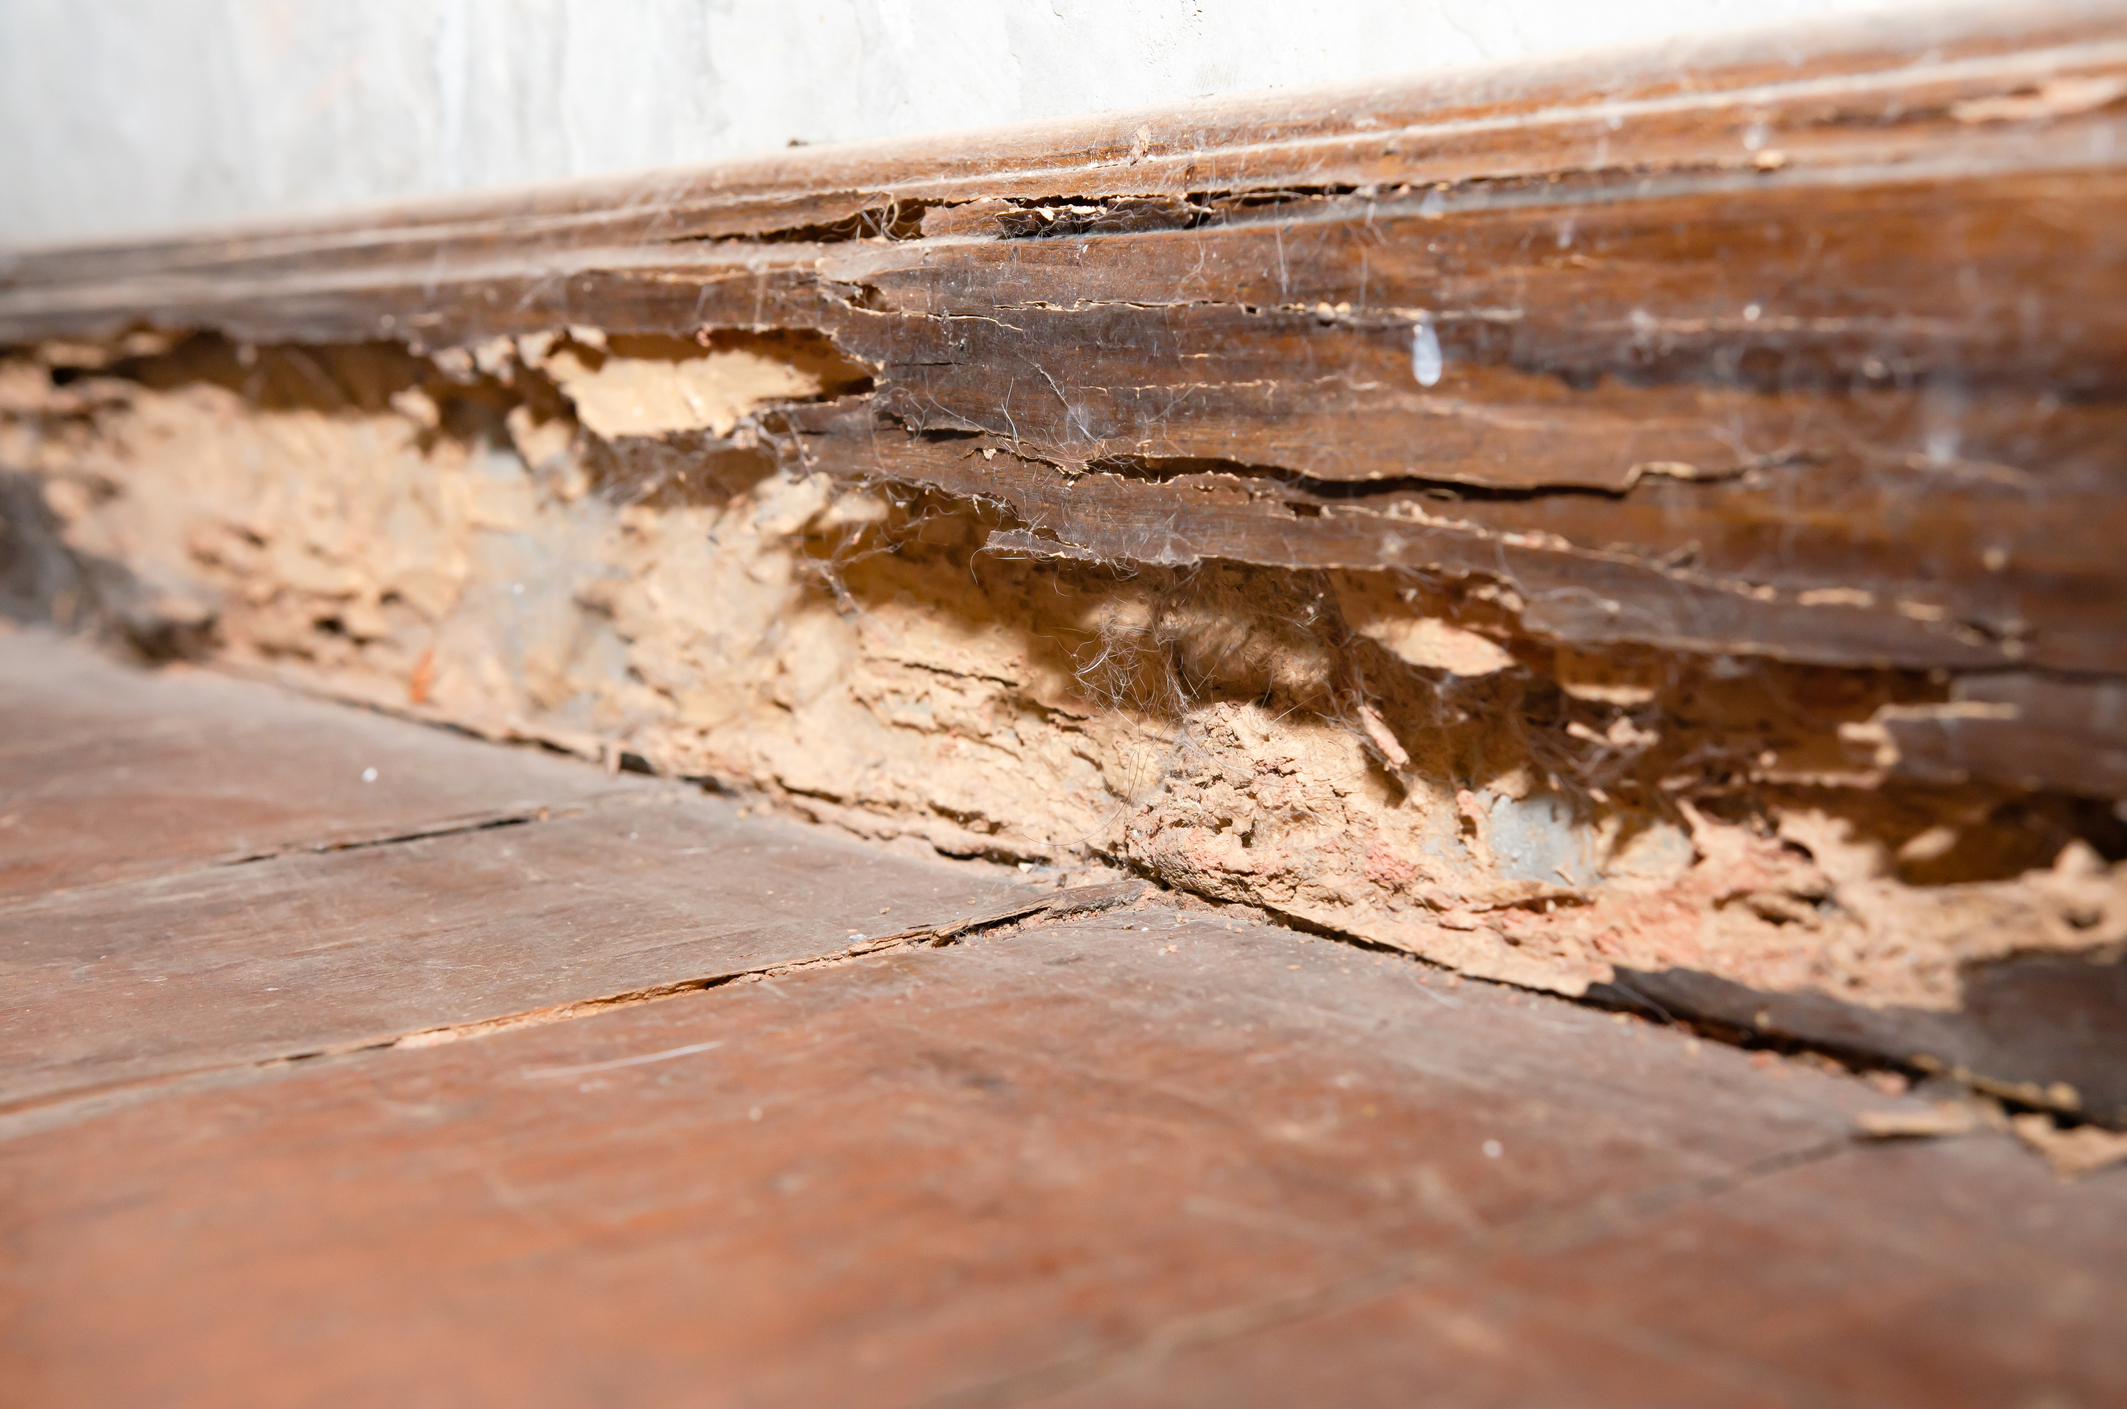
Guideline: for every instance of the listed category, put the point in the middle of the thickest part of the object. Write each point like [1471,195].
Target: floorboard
[109,772]
[1157,1157]
[545,883]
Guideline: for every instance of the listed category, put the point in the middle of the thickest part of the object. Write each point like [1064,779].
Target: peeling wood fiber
[1605,517]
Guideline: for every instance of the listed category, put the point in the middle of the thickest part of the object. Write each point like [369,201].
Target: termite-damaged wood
[1707,462]
[1816,358]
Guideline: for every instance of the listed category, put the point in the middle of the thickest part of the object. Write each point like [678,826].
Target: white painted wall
[123,116]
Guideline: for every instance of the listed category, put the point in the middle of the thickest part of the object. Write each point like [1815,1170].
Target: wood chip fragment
[1945,1119]
[2073,1153]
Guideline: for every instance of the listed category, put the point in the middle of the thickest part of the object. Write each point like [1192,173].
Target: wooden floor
[345,1061]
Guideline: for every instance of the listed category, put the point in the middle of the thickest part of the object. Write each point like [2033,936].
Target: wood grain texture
[1806,349]
[1151,1149]
[198,876]
[1851,1281]
[308,953]
[109,772]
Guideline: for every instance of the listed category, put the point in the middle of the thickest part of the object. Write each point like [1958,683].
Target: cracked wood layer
[175,960]
[1807,349]
[109,773]
[303,954]
[1153,1158]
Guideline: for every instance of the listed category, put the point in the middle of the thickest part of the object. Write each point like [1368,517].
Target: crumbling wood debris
[1571,523]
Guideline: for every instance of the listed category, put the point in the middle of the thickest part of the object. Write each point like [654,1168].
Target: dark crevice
[1163,469]
[1015,218]
[1173,469]
[1124,213]
[890,220]
[1080,900]
[1110,215]
[488,824]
